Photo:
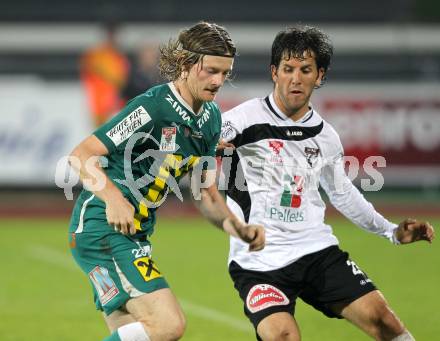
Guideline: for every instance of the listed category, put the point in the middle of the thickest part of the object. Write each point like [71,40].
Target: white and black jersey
[273,178]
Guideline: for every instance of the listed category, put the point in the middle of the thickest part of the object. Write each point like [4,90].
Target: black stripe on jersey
[258,132]
[308,118]
[271,108]
[242,198]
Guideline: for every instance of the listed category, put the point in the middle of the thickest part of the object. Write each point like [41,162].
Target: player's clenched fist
[252,234]
[120,215]
[255,236]
[411,230]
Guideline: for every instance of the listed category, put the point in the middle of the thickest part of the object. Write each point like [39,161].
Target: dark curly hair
[299,41]
[201,39]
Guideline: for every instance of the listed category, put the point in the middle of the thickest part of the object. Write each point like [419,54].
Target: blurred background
[65,67]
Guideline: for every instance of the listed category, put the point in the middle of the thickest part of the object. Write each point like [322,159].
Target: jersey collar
[270,101]
[183,102]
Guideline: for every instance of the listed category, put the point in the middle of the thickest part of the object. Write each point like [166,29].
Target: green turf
[44,296]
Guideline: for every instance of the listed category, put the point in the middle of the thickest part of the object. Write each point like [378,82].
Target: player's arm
[84,159]
[212,205]
[347,199]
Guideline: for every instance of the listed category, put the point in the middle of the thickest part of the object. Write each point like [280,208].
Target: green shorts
[119,267]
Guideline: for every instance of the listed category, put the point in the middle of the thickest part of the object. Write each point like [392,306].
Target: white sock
[406,336]
[133,332]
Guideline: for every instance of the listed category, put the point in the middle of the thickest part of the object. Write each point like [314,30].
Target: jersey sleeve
[347,199]
[138,115]
[232,124]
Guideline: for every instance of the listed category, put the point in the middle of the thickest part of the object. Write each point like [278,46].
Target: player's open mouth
[296,92]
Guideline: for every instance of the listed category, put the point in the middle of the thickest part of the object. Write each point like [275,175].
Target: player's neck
[294,114]
[185,92]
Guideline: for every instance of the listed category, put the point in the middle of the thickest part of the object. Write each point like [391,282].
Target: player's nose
[218,79]
[296,77]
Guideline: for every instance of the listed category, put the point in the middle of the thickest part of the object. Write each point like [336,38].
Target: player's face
[207,77]
[294,81]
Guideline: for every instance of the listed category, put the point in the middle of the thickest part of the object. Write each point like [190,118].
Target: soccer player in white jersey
[285,150]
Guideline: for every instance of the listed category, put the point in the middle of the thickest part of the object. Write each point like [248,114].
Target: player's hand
[411,230]
[222,145]
[255,236]
[252,234]
[120,215]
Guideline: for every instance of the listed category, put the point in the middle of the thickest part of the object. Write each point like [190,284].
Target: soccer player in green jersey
[160,135]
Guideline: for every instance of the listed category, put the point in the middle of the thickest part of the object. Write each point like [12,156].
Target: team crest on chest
[311,155]
[168,139]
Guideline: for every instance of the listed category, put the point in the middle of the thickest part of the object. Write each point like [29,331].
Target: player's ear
[318,81]
[273,72]
[185,72]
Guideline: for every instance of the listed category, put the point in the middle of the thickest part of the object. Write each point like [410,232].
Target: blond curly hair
[192,44]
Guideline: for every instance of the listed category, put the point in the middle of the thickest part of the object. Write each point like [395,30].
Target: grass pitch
[44,295]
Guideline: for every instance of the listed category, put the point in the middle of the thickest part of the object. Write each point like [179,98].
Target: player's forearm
[92,175]
[213,207]
[347,199]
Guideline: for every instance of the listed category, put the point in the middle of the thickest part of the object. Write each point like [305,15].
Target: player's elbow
[75,156]
[75,153]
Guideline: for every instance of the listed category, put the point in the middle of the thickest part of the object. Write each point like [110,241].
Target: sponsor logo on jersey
[147,268]
[178,108]
[103,284]
[262,296]
[285,215]
[286,209]
[204,118]
[124,129]
[291,196]
[311,155]
[290,133]
[168,139]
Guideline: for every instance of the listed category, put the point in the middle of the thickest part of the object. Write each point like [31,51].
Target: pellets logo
[262,296]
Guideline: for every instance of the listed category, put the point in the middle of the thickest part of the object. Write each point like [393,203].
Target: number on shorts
[354,268]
